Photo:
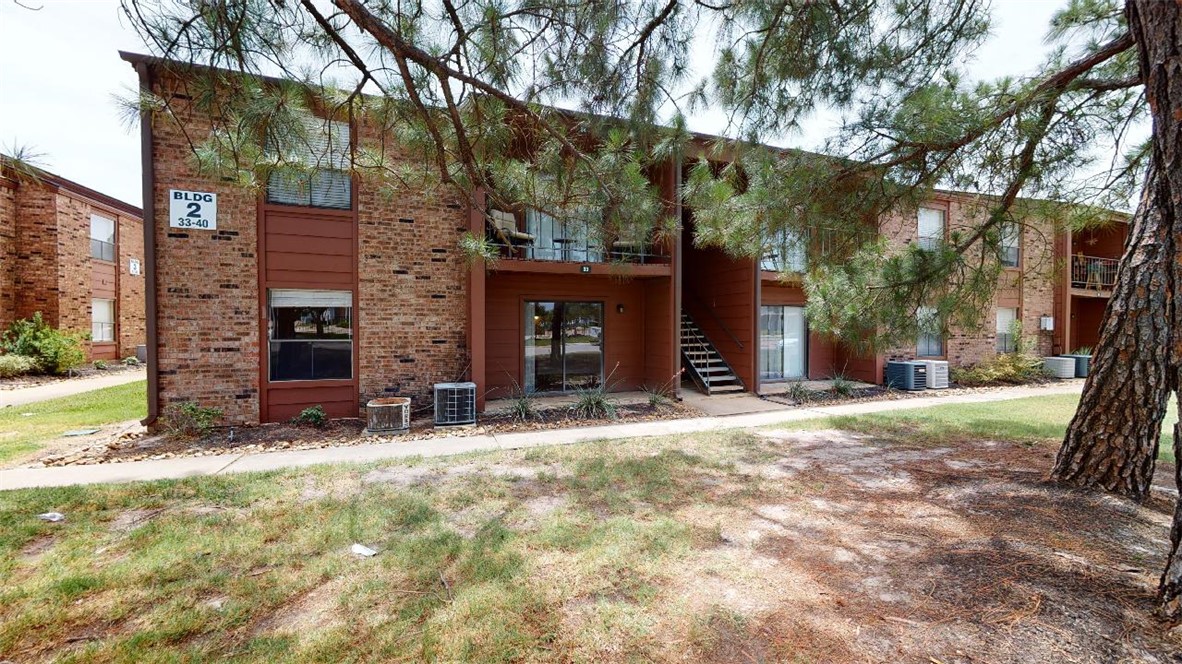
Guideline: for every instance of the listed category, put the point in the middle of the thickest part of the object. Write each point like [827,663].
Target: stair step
[725,388]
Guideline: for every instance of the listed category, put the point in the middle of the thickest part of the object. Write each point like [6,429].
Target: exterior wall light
[1046,323]
[619,308]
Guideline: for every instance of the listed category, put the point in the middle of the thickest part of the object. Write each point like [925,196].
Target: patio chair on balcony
[504,226]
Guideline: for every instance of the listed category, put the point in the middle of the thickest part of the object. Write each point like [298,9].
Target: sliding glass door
[783,352]
[563,346]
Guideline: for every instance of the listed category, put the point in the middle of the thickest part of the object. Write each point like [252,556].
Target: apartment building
[328,292]
[73,254]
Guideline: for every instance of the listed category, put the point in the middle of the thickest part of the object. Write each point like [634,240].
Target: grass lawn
[22,433]
[1029,420]
[806,546]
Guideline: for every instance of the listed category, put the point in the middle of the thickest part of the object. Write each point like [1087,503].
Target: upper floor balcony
[1093,274]
[788,251]
[533,241]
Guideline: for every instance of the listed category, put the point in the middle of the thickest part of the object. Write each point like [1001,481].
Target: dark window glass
[311,342]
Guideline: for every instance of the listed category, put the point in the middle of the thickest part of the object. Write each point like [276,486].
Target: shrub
[190,419]
[132,361]
[842,386]
[100,364]
[1005,369]
[593,403]
[313,416]
[657,397]
[16,365]
[799,393]
[52,351]
[1082,350]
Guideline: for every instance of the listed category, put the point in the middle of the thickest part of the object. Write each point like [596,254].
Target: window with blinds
[310,333]
[931,228]
[323,147]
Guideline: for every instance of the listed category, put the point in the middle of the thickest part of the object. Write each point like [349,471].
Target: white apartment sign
[192,209]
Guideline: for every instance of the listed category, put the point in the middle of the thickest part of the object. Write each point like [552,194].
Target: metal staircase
[703,362]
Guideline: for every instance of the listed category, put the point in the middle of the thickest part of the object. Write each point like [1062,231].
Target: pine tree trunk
[1112,440]
[1169,590]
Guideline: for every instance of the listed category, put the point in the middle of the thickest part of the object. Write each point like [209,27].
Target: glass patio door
[782,346]
[563,346]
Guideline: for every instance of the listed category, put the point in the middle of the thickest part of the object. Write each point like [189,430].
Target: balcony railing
[1093,273]
[790,253]
[545,238]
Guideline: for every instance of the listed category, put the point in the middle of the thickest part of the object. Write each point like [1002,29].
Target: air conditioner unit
[455,404]
[1060,367]
[911,376]
[937,374]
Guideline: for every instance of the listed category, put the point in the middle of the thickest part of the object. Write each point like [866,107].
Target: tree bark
[1112,441]
[1169,589]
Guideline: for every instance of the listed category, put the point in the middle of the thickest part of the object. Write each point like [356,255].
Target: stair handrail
[710,311]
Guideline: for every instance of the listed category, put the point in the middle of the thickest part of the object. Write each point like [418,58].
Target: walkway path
[66,387]
[237,463]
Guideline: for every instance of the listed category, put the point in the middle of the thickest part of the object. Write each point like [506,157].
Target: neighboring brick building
[326,291]
[73,254]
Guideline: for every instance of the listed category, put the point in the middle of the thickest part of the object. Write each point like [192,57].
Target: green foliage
[190,419]
[799,393]
[482,120]
[311,416]
[12,366]
[842,386]
[478,247]
[1004,369]
[53,351]
[131,361]
[1082,350]
[593,403]
[101,365]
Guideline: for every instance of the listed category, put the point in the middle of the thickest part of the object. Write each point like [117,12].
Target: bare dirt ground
[937,555]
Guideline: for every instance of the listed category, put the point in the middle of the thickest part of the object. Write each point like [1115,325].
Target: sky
[60,72]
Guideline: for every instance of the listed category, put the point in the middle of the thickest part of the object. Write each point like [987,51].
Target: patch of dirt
[949,554]
[315,609]
[128,520]
[38,547]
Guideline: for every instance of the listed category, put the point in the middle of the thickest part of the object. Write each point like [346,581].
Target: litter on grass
[52,517]
[362,550]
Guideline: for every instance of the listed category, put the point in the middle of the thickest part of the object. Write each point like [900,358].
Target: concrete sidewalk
[20,478]
[67,387]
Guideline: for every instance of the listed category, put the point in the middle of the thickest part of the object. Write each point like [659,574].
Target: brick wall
[36,255]
[1031,289]
[206,281]
[412,292]
[132,320]
[7,252]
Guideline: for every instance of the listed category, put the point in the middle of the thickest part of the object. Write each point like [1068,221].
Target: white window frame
[102,245]
[102,331]
[1004,343]
[930,238]
[1011,244]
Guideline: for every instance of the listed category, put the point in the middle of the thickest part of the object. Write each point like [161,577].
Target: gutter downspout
[149,207]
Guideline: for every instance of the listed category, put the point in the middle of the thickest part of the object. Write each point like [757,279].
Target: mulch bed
[338,433]
[84,371]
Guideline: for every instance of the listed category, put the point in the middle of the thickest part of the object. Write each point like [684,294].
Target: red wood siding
[822,360]
[624,334]
[713,282]
[307,248]
[662,367]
